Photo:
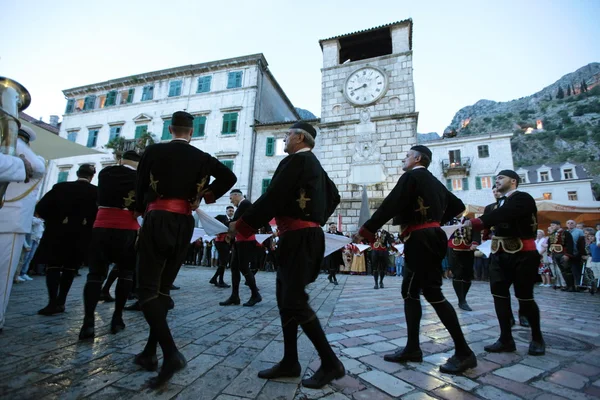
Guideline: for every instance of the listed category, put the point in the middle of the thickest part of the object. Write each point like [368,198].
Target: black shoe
[523,321]
[380,285]
[134,307]
[500,347]
[149,363]
[537,348]
[456,365]
[175,363]
[106,297]
[376,286]
[335,283]
[51,309]
[232,301]
[329,279]
[402,356]
[87,332]
[253,300]
[223,285]
[464,306]
[213,281]
[116,325]
[173,287]
[171,304]
[280,370]
[323,376]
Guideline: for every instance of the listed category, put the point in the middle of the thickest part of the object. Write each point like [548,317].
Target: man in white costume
[17,213]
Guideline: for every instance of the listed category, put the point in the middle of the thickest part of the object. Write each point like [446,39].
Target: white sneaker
[18,279]
[27,277]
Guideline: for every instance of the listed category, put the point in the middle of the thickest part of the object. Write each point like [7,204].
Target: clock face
[365,86]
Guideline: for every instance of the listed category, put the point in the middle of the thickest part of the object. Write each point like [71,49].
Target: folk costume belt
[512,245]
[177,206]
[556,248]
[285,224]
[405,234]
[116,218]
[220,237]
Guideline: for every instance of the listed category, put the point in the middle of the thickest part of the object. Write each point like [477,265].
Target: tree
[568,90]
[583,86]
[120,145]
[560,94]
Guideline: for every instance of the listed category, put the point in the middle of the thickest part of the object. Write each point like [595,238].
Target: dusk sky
[463,51]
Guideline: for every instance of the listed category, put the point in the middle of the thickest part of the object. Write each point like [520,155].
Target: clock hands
[364,85]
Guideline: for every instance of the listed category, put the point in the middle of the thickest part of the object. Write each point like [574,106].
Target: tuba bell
[13,99]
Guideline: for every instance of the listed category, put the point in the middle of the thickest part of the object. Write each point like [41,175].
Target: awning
[51,146]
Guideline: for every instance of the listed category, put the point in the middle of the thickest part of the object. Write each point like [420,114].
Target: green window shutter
[92,138]
[70,106]
[130,95]
[62,176]
[174,88]
[229,123]
[72,137]
[230,80]
[89,103]
[265,185]
[238,79]
[449,184]
[204,84]
[199,124]
[465,183]
[166,135]
[111,98]
[140,130]
[228,164]
[478,182]
[270,146]
[115,131]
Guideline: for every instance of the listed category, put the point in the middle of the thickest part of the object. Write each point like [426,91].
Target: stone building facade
[227,97]
[565,183]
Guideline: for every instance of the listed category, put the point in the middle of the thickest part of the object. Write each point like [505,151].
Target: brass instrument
[13,99]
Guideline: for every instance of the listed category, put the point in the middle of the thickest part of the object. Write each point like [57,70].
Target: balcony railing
[456,167]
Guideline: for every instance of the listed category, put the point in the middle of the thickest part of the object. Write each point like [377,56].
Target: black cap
[305,126]
[423,150]
[235,191]
[131,155]
[510,173]
[183,119]
[86,170]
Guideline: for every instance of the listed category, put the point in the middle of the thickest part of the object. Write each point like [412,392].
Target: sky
[463,51]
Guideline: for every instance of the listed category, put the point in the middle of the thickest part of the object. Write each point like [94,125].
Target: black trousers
[243,254]
[162,248]
[379,260]
[300,255]
[461,264]
[112,246]
[223,250]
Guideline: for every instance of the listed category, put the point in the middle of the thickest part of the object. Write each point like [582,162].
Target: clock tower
[368,118]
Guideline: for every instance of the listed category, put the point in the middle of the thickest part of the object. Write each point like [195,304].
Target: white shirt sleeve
[12,169]
[598,238]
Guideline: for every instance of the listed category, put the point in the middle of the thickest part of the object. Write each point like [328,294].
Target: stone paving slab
[227,346]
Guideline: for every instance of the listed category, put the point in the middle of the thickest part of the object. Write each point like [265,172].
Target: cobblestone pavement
[226,347]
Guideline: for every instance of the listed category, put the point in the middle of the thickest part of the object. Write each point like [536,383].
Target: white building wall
[559,190]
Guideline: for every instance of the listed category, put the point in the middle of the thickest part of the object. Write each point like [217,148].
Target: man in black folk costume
[301,197]
[461,259]
[334,260]
[380,256]
[172,180]
[244,250]
[514,260]
[69,211]
[113,241]
[223,247]
[420,203]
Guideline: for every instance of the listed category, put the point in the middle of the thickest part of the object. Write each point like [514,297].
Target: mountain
[559,123]
[305,114]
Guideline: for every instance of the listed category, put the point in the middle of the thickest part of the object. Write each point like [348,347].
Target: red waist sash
[116,218]
[220,237]
[285,224]
[412,228]
[177,206]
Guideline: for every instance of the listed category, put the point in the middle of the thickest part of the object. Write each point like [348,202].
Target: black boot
[112,277]
[456,365]
[124,285]
[465,289]
[448,317]
[231,301]
[254,299]
[288,367]
[66,280]
[87,330]
[331,367]
[91,295]
[52,284]
[402,356]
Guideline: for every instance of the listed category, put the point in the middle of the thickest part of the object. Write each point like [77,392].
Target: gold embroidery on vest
[130,199]
[302,200]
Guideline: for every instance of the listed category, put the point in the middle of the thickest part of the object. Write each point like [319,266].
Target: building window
[229,123]
[544,176]
[568,173]
[234,80]
[72,136]
[89,103]
[279,146]
[547,196]
[63,175]
[457,184]
[204,84]
[270,146]
[522,178]
[454,156]
[228,164]
[175,88]
[101,101]
[166,135]
[483,151]
[111,98]
[70,106]
[115,132]
[148,93]
[140,131]
[483,182]
[265,185]
[92,138]
[199,126]
[79,105]
[127,96]
[572,195]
